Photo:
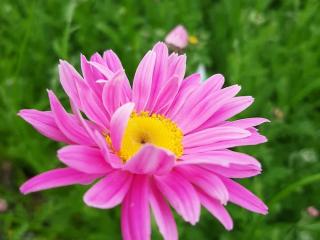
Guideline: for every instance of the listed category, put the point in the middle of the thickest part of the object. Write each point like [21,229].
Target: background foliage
[269,47]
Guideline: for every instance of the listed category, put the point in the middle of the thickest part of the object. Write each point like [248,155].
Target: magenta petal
[181,195]
[44,122]
[68,125]
[243,197]
[216,209]
[109,191]
[166,95]
[212,135]
[234,170]
[68,78]
[246,122]
[113,95]
[151,160]
[119,121]
[135,213]
[143,81]
[163,215]
[84,158]
[207,181]
[220,158]
[57,178]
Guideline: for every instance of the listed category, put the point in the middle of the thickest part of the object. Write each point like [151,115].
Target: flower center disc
[155,129]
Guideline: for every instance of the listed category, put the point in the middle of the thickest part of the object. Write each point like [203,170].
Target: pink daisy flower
[164,142]
[178,37]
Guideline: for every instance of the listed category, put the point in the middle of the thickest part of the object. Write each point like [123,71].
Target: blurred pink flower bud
[3,205]
[178,37]
[312,211]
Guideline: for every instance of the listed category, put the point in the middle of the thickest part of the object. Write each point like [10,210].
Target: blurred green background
[271,48]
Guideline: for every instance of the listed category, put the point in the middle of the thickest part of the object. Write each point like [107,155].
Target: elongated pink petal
[220,158]
[69,126]
[84,158]
[246,122]
[177,66]
[194,116]
[163,215]
[103,69]
[207,181]
[44,122]
[212,135]
[135,213]
[90,75]
[57,178]
[166,95]
[159,73]
[234,170]
[113,95]
[188,85]
[181,195]
[115,65]
[143,81]
[216,209]
[254,139]
[109,191]
[230,109]
[92,106]
[243,197]
[118,124]
[151,160]
[68,78]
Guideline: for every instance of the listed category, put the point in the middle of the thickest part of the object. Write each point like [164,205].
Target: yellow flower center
[155,129]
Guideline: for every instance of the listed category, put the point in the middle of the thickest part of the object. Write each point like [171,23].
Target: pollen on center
[145,128]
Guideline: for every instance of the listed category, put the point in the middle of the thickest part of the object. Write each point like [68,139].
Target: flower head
[163,142]
[178,37]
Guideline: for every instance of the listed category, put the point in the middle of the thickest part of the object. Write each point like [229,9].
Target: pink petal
[135,213]
[57,178]
[178,37]
[234,170]
[230,109]
[68,78]
[109,191]
[115,65]
[166,95]
[193,116]
[84,159]
[159,73]
[246,122]
[108,156]
[90,75]
[181,195]
[44,122]
[216,209]
[92,106]
[69,126]
[243,197]
[119,123]
[212,135]
[151,160]
[254,139]
[206,181]
[113,95]
[104,70]
[188,85]
[163,215]
[177,66]
[143,81]
[220,158]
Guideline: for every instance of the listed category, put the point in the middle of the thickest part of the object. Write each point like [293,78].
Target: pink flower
[178,37]
[165,141]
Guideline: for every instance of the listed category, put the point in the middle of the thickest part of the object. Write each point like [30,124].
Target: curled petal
[151,160]
[119,123]
[57,178]
[109,191]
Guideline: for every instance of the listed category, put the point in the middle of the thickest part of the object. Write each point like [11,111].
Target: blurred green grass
[271,48]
